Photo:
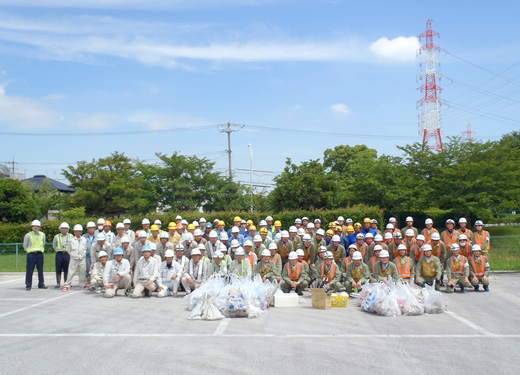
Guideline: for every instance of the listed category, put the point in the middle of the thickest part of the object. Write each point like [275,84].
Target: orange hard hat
[107,222]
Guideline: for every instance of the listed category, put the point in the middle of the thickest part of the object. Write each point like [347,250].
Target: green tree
[16,202]
[47,198]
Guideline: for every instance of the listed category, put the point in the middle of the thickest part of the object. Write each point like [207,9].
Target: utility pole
[251,175]
[229,128]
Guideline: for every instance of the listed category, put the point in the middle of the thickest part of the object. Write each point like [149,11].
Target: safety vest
[480,239]
[264,270]
[60,241]
[466,250]
[240,271]
[251,258]
[330,275]
[373,261]
[347,262]
[467,232]
[357,273]
[449,239]
[428,233]
[294,273]
[394,250]
[418,251]
[478,270]
[429,269]
[36,243]
[457,268]
[409,245]
[307,253]
[405,273]
[362,249]
[436,249]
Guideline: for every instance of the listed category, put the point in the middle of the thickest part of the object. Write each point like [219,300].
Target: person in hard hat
[195,272]
[418,248]
[59,244]
[173,237]
[142,240]
[100,245]
[378,240]
[367,223]
[393,221]
[258,246]
[77,249]
[356,274]
[34,245]
[409,226]
[478,269]
[305,221]
[128,232]
[394,245]
[318,238]
[309,249]
[294,275]
[179,229]
[251,232]
[339,232]
[236,235]
[337,250]
[266,240]
[276,259]
[410,240]
[154,236]
[107,231]
[146,273]
[212,245]
[189,245]
[128,250]
[285,246]
[371,263]
[429,230]
[388,243]
[163,245]
[146,225]
[197,237]
[120,228]
[154,254]
[298,223]
[220,228]
[384,268]
[361,245]
[250,254]
[269,225]
[345,238]
[301,254]
[439,250]
[227,258]
[329,273]
[310,230]
[348,259]
[463,229]
[208,228]
[373,225]
[203,257]
[465,246]
[191,229]
[341,223]
[240,266]
[170,275]
[457,270]
[98,271]
[218,267]
[90,237]
[317,224]
[233,246]
[404,264]
[266,268]
[224,240]
[429,269]
[319,259]
[449,236]
[369,241]
[293,236]
[481,237]
[236,224]
[178,219]
[117,275]
[328,237]
[100,225]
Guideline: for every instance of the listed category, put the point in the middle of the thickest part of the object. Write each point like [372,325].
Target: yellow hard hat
[330,232]
[154,227]
[263,230]
[350,228]
[277,223]
[221,222]
[367,220]
[252,227]
[339,228]
[332,224]
[250,222]
[172,225]
[191,226]
[237,218]
[357,225]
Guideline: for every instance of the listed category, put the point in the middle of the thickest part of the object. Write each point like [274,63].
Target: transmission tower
[430,119]
[229,128]
[468,133]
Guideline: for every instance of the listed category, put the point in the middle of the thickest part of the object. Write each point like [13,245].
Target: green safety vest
[60,241]
[36,243]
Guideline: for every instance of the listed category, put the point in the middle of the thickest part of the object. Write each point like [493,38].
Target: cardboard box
[321,299]
[339,299]
[286,300]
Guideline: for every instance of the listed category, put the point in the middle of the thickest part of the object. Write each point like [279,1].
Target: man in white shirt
[117,274]
[170,275]
[146,273]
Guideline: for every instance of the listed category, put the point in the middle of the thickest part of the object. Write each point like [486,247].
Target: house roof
[38,181]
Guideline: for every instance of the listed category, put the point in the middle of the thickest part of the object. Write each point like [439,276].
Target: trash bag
[371,297]
[433,302]
[408,303]
[236,304]
[387,305]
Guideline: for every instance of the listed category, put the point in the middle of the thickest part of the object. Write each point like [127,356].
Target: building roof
[38,180]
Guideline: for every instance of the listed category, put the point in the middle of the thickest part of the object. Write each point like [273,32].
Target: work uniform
[369,251]
[483,239]
[267,270]
[296,273]
[439,250]
[428,270]
[405,267]
[371,264]
[97,274]
[95,249]
[467,232]
[241,269]
[330,275]
[130,234]
[449,238]
[415,231]
[338,252]
[59,244]
[284,249]
[478,267]
[137,253]
[127,253]
[277,260]
[123,281]
[211,249]
[166,272]
[145,271]
[296,241]
[188,248]
[356,274]
[175,239]
[217,269]
[110,237]
[34,245]
[77,249]
[427,233]
[161,249]
[197,272]
[258,250]
[309,253]
[382,271]
[252,258]
[457,269]
[91,240]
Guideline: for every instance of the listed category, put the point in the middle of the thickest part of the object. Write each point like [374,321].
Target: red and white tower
[430,119]
[469,133]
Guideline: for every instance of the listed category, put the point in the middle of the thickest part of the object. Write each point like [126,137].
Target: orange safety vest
[363,248]
[460,272]
[437,250]
[418,252]
[468,233]
[407,273]
[251,258]
[428,233]
[347,261]
[449,239]
[481,238]
[277,258]
[466,250]
[372,264]
[298,271]
[409,245]
[395,252]
[331,275]
[307,252]
[479,272]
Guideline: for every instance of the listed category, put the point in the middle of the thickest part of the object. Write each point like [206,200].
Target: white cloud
[340,109]
[400,49]
[96,121]
[159,121]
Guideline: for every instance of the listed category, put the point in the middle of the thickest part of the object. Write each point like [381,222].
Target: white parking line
[11,281]
[470,324]
[22,299]
[37,304]
[221,327]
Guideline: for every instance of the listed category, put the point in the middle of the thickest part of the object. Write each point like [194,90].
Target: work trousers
[286,288]
[73,269]
[455,282]
[124,283]
[170,288]
[480,281]
[34,259]
[189,287]
[141,286]
[62,265]
[96,283]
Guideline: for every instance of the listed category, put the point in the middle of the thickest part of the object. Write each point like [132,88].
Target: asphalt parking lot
[49,331]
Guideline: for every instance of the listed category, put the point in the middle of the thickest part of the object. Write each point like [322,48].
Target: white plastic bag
[433,302]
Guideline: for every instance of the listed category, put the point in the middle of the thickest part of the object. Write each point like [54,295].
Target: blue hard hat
[146,248]
[209,225]
[118,251]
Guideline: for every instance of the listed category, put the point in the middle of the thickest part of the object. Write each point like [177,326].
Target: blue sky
[345,67]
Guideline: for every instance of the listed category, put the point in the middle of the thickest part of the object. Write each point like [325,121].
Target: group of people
[181,258]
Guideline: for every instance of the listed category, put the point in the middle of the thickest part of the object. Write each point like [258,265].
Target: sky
[331,72]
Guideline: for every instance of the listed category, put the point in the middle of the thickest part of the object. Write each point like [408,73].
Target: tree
[47,198]
[16,203]
[109,186]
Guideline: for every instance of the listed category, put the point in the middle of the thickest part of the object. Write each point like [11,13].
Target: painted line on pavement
[11,281]
[221,327]
[37,304]
[470,324]
[22,299]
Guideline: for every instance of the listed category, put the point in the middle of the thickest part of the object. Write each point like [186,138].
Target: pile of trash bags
[231,297]
[392,299]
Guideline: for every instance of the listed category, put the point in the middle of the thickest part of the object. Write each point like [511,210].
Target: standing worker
[77,249]
[59,244]
[34,245]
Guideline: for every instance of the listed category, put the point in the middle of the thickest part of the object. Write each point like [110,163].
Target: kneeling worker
[170,275]
[384,268]
[146,273]
[266,267]
[357,273]
[329,273]
[429,270]
[479,269]
[117,274]
[98,271]
[457,270]
[195,272]
[294,275]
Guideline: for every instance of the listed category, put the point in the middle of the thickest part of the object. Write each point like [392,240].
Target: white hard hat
[307,237]
[142,234]
[168,253]
[420,237]
[409,232]
[201,246]
[127,221]
[120,225]
[257,238]
[179,247]
[293,255]
[36,223]
[463,220]
[373,221]
[341,218]
[184,222]
[388,236]
[329,255]
[284,234]
[78,227]
[64,225]
[409,218]
[195,252]
[101,221]
[213,234]
[360,235]
[378,248]
[164,235]
[235,230]
[278,236]
[322,249]
[240,251]
[476,248]
[450,221]
[378,237]
[369,235]
[266,253]
[310,226]
[455,246]
[248,243]
[235,244]
[222,247]
[317,221]
[384,254]
[196,223]
[349,220]
[298,221]
[91,224]
[125,239]
[398,234]
[293,229]
[335,238]
[219,254]
[463,237]
[269,218]
[301,232]
[305,218]
[389,226]
[300,252]
[352,247]
[153,246]
[320,231]
[145,221]
[101,237]
[263,223]
[427,247]
[392,220]
[202,220]
[197,232]
[428,221]
[401,247]
[102,254]
[436,236]
[272,246]
[357,255]
[224,236]
[479,222]
[178,217]
[189,237]
[158,222]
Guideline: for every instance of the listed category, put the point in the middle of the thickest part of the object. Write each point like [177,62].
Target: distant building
[4,172]
[38,181]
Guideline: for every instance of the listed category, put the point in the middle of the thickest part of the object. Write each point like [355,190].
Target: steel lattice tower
[430,119]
